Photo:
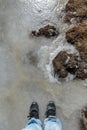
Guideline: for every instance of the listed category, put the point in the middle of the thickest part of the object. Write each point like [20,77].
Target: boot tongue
[51,108]
[33,109]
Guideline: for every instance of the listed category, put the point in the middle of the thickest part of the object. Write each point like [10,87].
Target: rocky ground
[77,36]
[64,63]
[76,10]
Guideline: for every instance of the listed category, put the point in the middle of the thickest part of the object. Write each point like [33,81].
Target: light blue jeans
[51,123]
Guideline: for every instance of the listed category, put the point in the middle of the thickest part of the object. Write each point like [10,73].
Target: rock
[72,64]
[65,63]
[63,73]
[59,69]
[83,120]
[62,57]
[47,31]
[76,9]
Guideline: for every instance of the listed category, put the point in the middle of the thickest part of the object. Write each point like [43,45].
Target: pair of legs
[50,123]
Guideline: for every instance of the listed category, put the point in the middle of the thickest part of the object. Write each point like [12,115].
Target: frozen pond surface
[22,82]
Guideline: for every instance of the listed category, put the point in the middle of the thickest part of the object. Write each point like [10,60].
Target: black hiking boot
[51,109]
[34,111]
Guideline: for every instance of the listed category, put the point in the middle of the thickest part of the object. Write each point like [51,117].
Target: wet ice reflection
[41,10]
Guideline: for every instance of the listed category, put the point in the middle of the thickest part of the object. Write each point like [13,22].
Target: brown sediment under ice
[76,9]
[47,31]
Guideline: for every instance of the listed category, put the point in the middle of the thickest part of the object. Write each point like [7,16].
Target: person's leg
[33,123]
[52,122]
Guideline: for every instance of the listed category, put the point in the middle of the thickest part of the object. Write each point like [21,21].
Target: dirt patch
[77,35]
[47,31]
[65,63]
[76,9]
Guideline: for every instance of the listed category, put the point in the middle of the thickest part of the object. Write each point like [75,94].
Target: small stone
[47,31]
